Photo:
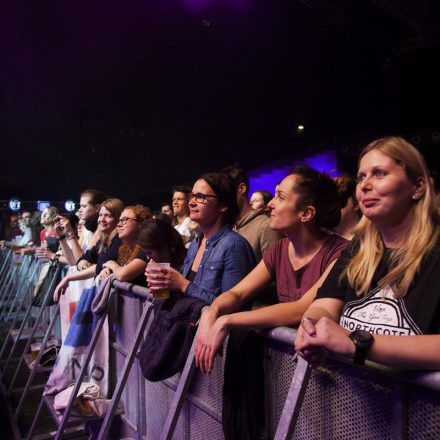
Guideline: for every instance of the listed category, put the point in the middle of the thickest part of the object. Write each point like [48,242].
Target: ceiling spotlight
[69,205]
[14,205]
[300,128]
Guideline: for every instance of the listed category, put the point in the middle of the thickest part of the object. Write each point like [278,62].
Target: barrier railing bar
[427,379]
[22,327]
[143,326]
[17,314]
[23,286]
[83,370]
[37,362]
[294,400]
[179,397]
[140,291]
[141,401]
[46,299]
[126,420]
[399,418]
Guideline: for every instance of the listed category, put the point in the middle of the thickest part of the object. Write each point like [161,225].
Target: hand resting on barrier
[90,272]
[209,340]
[314,337]
[104,273]
[61,289]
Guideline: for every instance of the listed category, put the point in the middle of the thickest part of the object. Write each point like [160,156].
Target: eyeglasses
[200,197]
[123,221]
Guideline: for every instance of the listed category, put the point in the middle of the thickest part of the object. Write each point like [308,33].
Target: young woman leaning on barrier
[219,257]
[131,262]
[90,264]
[381,301]
[304,208]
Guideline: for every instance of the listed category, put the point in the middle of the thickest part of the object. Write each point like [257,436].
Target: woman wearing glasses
[304,208]
[219,257]
[131,262]
[91,263]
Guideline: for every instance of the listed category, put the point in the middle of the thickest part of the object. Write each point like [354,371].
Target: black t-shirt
[112,253]
[378,312]
[93,255]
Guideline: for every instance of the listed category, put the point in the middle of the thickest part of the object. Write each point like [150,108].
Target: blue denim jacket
[228,258]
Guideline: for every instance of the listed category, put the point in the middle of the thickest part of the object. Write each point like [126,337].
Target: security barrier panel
[337,400]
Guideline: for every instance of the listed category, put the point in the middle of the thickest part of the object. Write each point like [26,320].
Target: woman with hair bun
[304,208]
[350,213]
[381,301]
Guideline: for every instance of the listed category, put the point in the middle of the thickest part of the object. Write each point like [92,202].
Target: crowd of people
[351,261]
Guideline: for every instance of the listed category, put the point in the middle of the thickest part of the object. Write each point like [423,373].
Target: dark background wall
[133,97]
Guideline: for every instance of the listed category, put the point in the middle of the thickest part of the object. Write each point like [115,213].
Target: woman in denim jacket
[219,257]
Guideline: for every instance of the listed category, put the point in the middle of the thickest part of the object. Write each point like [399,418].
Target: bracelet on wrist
[61,237]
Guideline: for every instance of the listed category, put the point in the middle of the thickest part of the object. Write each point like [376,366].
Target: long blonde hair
[405,261]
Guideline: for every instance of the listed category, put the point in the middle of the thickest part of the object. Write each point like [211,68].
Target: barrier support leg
[179,397]
[294,400]
[105,428]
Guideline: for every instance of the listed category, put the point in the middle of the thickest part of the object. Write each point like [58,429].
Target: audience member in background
[218,258]
[260,199]
[381,300]
[164,217]
[131,262]
[12,229]
[161,243]
[304,208]
[181,218]
[350,212]
[91,263]
[167,209]
[25,226]
[15,232]
[253,225]
[47,221]
[74,245]
[49,243]
[35,229]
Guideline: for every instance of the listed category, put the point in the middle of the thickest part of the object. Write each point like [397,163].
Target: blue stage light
[69,205]
[14,205]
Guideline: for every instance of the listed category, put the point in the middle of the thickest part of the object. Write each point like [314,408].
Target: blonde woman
[381,300]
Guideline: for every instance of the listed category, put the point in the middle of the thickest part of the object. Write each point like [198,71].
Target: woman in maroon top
[304,208]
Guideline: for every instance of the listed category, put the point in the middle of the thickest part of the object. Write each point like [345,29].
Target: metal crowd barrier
[334,401]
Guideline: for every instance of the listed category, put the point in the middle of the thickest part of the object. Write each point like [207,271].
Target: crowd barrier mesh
[341,401]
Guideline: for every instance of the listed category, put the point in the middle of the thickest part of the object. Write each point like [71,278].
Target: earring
[416,197]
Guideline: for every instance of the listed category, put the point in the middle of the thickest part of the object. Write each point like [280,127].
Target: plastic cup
[35,349]
[162,293]
[17,259]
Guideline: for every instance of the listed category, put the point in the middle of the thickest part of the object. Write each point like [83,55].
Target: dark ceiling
[134,96]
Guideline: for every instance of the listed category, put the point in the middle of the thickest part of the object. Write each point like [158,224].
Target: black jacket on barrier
[168,343]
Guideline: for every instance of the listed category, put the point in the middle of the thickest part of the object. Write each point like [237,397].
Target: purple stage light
[269,176]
